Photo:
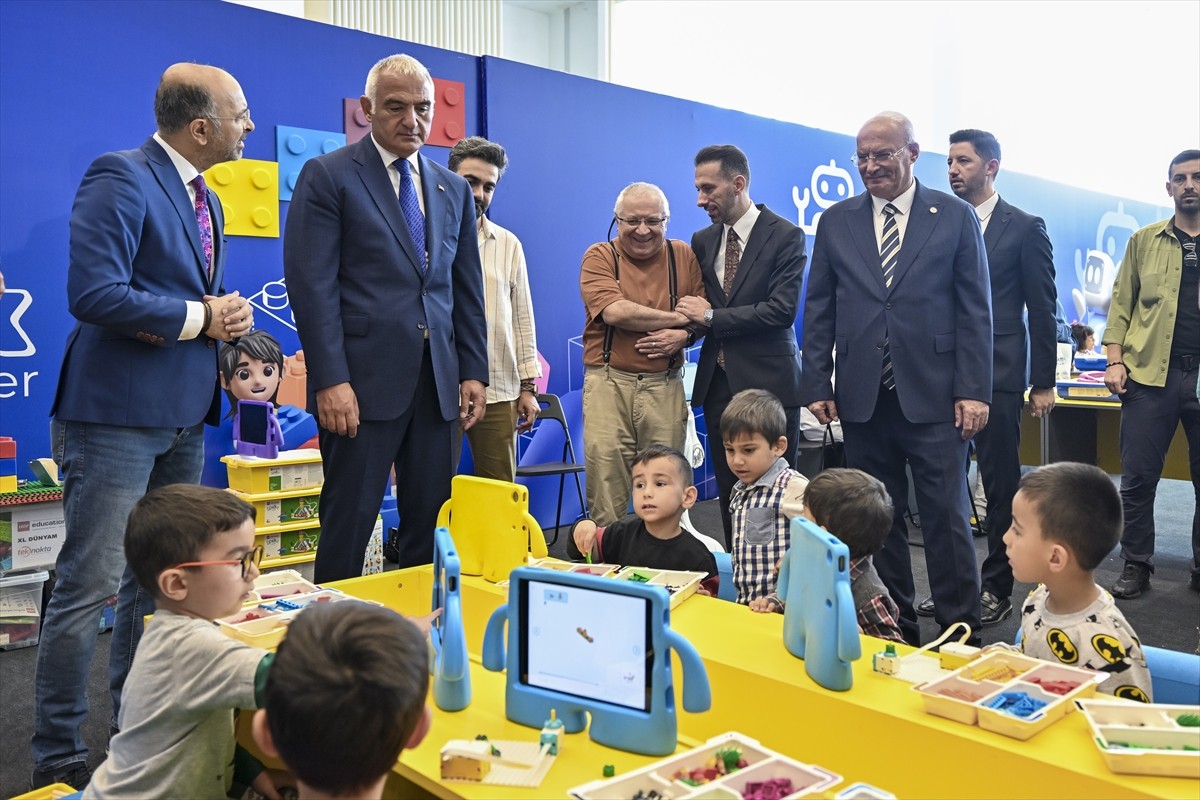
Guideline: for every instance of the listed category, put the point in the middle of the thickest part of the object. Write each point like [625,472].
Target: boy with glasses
[192,547]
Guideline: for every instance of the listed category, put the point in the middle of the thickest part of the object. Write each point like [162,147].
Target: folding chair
[552,410]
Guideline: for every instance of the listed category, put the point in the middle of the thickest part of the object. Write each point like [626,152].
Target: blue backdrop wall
[77,79]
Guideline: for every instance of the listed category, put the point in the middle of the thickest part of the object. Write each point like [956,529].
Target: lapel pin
[933,209]
[441,188]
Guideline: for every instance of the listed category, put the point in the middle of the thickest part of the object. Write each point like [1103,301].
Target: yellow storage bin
[290,505]
[294,469]
[289,543]
[264,624]
[51,792]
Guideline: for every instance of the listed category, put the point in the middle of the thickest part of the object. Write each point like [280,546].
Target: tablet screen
[252,423]
[586,643]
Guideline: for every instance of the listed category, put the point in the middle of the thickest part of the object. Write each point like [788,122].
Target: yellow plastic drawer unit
[264,624]
[289,543]
[1146,739]
[680,585]
[289,505]
[294,469]
[21,609]
[1009,693]
[727,767]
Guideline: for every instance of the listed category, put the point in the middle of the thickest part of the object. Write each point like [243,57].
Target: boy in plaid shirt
[768,493]
[856,508]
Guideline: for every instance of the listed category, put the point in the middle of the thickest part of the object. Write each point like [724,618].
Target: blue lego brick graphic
[294,146]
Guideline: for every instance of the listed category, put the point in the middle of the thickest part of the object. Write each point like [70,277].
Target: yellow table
[1089,431]
[877,732]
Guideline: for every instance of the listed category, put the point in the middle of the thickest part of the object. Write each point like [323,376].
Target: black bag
[833,453]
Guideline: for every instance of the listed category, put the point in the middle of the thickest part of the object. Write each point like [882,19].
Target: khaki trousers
[624,413]
[493,442]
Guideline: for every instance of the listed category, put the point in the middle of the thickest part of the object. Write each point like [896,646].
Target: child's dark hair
[345,693]
[754,411]
[663,451]
[171,524]
[1077,506]
[258,345]
[853,506]
[1080,333]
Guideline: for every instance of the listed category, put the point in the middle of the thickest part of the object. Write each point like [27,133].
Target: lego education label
[31,536]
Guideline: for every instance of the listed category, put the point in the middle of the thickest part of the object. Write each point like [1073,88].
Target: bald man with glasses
[632,341]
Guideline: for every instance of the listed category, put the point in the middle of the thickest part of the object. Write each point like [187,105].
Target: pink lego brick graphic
[355,121]
[249,192]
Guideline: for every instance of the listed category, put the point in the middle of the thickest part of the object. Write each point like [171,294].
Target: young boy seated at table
[192,547]
[1066,518]
[345,695]
[653,537]
[768,494]
[857,509]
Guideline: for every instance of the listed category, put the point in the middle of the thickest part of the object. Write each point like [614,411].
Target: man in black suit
[753,265]
[1021,266]
[899,285]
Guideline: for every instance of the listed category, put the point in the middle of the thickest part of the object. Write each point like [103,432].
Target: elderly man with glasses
[899,285]
[632,345]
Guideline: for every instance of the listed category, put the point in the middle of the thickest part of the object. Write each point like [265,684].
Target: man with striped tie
[899,285]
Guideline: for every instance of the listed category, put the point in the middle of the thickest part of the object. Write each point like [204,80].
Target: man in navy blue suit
[138,381]
[899,286]
[381,259]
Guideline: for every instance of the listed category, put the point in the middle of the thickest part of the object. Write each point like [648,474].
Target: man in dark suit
[1021,266]
[138,380]
[899,285]
[752,260]
[383,274]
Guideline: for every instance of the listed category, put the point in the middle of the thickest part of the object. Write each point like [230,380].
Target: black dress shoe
[926,608]
[1134,580]
[994,609]
[76,775]
[391,547]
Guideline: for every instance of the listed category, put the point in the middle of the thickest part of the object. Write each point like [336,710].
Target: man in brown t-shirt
[632,345]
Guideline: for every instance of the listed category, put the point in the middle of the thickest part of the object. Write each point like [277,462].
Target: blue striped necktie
[411,208]
[889,254]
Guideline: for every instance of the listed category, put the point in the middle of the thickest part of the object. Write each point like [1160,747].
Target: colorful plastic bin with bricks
[8,464]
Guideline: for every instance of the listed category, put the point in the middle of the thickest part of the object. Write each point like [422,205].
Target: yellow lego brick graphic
[249,192]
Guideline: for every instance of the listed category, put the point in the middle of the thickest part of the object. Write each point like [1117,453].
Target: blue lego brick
[294,146]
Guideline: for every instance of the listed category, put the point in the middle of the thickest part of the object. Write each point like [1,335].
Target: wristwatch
[708,315]
[529,386]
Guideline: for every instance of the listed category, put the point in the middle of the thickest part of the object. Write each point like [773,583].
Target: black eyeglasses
[252,557]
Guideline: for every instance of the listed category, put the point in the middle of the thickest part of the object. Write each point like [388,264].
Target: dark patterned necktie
[733,257]
[412,209]
[205,222]
[889,254]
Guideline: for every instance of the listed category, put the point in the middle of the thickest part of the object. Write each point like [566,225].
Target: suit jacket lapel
[760,234]
[378,183]
[218,218]
[862,223]
[923,218]
[168,178]
[437,206]
[997,225]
